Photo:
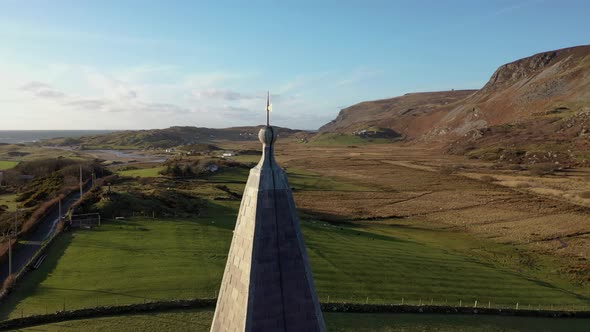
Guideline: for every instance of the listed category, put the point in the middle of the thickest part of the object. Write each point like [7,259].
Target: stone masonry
[267,284]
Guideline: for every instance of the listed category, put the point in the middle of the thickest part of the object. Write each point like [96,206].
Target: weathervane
[268,108]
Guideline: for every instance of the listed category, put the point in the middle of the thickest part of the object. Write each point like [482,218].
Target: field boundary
[159,306]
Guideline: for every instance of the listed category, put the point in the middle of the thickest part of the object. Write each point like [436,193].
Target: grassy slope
[9,200]
[127,261]
[7,164]
[142,172]
[200,320]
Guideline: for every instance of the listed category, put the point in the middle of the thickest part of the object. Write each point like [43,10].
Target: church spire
[267,284]
[268,108]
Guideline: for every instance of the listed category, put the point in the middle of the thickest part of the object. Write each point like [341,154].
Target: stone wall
[160,306]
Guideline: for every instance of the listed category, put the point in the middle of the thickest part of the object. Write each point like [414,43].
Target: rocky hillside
[535,106]
[410,115]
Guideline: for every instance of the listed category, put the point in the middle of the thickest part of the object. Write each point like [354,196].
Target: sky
[155,64]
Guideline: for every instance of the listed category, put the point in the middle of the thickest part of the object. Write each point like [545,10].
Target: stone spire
[267,284]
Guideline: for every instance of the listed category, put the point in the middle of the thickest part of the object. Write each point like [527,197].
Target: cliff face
[539,100]
[525,90]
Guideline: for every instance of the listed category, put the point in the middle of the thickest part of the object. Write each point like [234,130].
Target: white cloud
[42,90]
[223,94]
[62,96]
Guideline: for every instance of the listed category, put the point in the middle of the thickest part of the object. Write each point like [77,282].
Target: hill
[410,115]
[539,105]
[165,138]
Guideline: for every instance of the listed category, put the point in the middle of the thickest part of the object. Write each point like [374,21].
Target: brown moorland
[419,187]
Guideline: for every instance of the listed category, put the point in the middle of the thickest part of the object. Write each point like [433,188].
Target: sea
[29,136]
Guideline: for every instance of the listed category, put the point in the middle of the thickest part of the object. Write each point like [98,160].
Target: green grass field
[133,260]
[7,164]
[142,172]
[9,200]
[200,320]
[246,158]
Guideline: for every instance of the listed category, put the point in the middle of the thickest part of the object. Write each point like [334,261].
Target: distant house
[229,154]
[170,150]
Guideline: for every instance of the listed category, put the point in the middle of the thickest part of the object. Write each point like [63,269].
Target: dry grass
[488,178]
[411,184]
[523,185]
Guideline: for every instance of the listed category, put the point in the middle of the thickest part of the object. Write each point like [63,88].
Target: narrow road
[30,244]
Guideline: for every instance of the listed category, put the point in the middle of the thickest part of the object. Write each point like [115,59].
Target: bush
[487,178]
[542,169]
[446,170]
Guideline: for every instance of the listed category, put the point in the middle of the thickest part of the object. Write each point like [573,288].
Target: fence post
[516,305]
[460,303]
[475,304]
[489,304]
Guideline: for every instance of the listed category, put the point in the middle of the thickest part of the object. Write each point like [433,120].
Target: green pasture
[200,320]
[142,172]
[126,261]
[130,261]
[9,200]
[7,164]
[246,158]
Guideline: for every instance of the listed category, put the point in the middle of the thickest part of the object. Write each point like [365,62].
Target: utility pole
[81,181]
[10,243]
[9,254]
[15,221]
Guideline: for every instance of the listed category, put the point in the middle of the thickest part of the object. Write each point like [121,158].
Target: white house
[229,154]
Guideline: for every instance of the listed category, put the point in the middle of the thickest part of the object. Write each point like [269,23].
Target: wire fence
[458,302]
[56,303]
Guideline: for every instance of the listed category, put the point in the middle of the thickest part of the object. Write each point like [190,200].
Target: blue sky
[154,64]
